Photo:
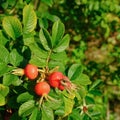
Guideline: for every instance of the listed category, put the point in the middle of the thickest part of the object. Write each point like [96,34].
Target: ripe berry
[61,87]
[31,71]
[55,78]
[42,88]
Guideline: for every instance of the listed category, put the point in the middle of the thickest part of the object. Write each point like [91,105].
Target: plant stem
[48,59]
[13,8]
[36,4]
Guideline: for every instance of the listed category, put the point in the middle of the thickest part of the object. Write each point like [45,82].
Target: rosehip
[31,71]
[42,88]
[55,78]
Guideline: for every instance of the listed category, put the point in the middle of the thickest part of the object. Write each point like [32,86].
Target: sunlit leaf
[69,103]
[12,26]
[58,30]
[4,90]
[10,79]
[45,39]
[47,113]
[4,54]
[29,19]
[62,44]
[75,71]
[26,108]
[24,97]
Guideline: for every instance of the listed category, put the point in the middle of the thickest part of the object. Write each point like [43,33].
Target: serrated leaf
[48,2]
[55,104]
[58,56]
[26,108]
[4,55]
[4,90]
[60,111]
[89,100]
[45,39]
[96,92]
[34,114]
[75,71]
[53,64]
[95,84]
[24,97]
[38,55]
[2,100]
[12,26]
[58,30]
[10,79]
[3,68]
[29,19]
[63,44]
[75,115]
[47,113]
[69,103]
[15,58]
[3,40]
[84,80]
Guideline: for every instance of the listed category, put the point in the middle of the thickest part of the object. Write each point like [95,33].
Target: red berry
[55,78]
[42,88]
[31,71]
[61,87]
[54,83]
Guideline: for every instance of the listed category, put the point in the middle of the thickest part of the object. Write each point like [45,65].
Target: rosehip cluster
[55,79]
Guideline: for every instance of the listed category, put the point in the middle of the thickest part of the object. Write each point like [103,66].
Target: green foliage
[79,38]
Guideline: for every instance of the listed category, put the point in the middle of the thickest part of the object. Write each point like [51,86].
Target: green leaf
[54,104]
[38,55]
[34,114]
[10,79]
[47,113]
[29,19]
[96,92]
[2,100]
[69,103]
[81,91]
[58,56]
[95,84]
[15,58]
[45,39]
[3,40]
[4,55]
[75,115]
[84,80]
[12,27]
[63,44]
[4,90]
[26,96]
[3,68]
[75,71]
[26,108]
[43,23]
[48,2]
[28,38]
[53,64]
[60,111]
[58,30]
[51,17]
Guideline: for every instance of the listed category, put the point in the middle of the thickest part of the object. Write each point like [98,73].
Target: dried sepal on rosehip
[18,71]
[67,84]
